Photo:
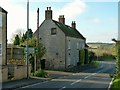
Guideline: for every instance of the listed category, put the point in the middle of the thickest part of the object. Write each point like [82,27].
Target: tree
[17,40]
[41,50]
[91,56]
[23,38]
[33,42]
[29,33]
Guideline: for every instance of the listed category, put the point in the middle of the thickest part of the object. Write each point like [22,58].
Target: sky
[96,20]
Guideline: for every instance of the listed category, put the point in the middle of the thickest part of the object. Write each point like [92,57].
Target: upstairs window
[53,31]
[0,49]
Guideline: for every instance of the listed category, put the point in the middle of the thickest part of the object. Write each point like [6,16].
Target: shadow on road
[107,67]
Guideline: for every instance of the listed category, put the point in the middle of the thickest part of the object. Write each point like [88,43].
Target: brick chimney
[61,19]
[37,18]
[48,13]
[73,25]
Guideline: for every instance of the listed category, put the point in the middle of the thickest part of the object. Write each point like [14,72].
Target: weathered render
[62,42]
[55,45]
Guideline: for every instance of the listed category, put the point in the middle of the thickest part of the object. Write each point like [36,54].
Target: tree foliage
[118,59]
[32,42]
[29,33]
[17,40]
[91,56]
[82,56]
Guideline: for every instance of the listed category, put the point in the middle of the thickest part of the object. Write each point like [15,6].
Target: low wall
[3,74]
[18,71]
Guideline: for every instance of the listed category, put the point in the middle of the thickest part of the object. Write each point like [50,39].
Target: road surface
[92,78]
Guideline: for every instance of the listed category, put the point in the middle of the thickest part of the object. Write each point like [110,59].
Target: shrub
[95,64]
[82,56]
[41,74]
[116,83]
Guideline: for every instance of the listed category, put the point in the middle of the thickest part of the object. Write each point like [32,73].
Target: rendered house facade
[62,42]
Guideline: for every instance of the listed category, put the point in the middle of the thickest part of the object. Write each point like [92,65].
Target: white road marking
[110,84]
[71,83]
[94,73]
[76,82]
[73,74]
[87,77]
[62,88]
[34,84]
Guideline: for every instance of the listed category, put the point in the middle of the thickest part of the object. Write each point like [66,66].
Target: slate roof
[69,31]
[3,10]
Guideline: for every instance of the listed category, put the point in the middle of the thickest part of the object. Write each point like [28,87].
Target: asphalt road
[92,78]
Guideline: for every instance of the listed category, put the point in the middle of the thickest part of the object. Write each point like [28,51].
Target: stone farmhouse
[63,43]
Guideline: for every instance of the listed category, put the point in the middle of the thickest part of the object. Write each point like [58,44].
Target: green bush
[41,74]
[82,56]
[91,56]
[95,64]
[116,83]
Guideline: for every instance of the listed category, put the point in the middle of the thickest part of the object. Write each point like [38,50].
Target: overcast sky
[97,20]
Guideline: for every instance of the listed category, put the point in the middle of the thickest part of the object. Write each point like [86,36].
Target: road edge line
[109,87]
[34,84]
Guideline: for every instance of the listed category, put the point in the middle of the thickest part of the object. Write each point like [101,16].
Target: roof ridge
[68,30]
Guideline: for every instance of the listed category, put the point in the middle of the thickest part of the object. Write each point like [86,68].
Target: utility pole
[27,63]
[38,36]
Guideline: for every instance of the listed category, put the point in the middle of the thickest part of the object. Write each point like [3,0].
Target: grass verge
[95,64]
[40,73]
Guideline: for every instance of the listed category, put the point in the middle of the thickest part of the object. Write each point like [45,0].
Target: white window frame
[69,44]
[77,45]
[0,49]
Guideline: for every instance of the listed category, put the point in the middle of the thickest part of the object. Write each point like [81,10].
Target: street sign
[31,50]
[35,50]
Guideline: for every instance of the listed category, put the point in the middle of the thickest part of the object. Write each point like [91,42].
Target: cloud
[95,21]
[17,14]
[71,9]
[17,18]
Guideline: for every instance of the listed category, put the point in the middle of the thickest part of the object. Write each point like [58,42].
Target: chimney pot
[49,8]
[48,13]
[73,24]
[61,19]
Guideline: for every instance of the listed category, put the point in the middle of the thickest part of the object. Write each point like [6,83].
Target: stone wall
[4,74]
[54,44]
[18,71]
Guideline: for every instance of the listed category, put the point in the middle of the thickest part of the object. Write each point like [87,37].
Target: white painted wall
[73,45]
